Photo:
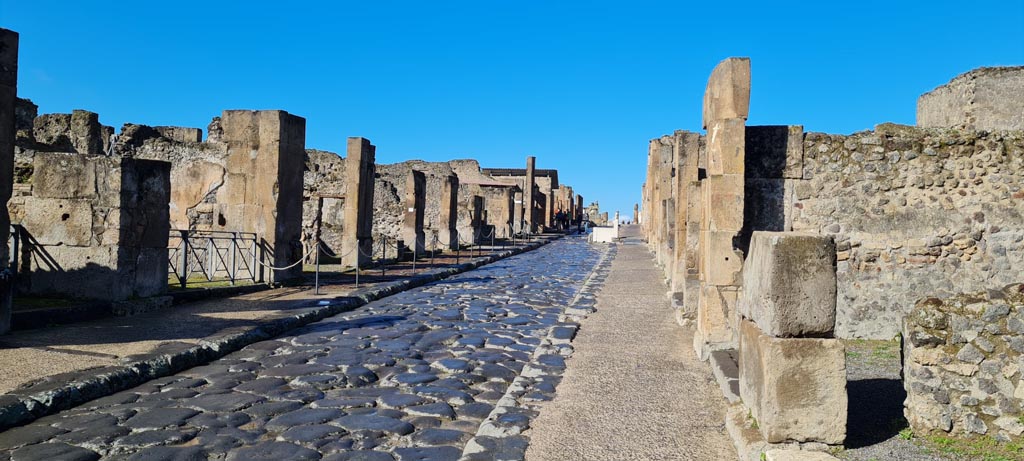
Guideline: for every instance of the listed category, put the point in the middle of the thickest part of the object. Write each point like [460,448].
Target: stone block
[180,134]
[789,284]
[56,222]
[150,271]
[724,205]
[989,99]
[63,176]
[715,308]
[727,94]
[726,145]
[794,387]
[722,263]
[779,454]
[774,152]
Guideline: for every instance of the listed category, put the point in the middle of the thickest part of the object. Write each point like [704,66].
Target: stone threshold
[67,390]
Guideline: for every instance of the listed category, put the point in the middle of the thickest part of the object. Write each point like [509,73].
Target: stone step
[727,373]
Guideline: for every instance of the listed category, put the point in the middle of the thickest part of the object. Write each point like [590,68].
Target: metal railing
[215,255]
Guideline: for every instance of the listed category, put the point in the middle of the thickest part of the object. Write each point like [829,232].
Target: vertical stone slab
[686,147]
[528,195]
[579,207]
[8,96]
[517,216]
[415,204]
[357,235]
[447,234]
[263,186]
[727,94]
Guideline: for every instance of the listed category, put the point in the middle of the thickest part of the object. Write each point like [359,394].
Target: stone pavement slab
[49,369]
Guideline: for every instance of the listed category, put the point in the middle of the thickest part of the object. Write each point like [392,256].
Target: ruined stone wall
[989,98]
[99,226]
[963,360]
[324,177]
[914,213]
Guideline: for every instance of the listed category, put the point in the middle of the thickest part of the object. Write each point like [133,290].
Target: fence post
[258,243]
[183,263]
[316,278]
[233,271]
[384,256]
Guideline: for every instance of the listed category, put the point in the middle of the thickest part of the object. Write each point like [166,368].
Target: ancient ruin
[805,237]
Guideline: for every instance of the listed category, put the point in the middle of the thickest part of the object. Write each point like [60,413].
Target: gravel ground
[876,407]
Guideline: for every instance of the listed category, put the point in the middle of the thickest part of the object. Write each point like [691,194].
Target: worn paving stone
[409,377]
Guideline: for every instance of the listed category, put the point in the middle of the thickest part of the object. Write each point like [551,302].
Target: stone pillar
[517,217]
[636,213]
[8,95]
[687,146]
[415,203]
[579,207]
[792,373]
[528,198]
[726,104]
[262,190]
[549,206]
[447,233]
[360,168]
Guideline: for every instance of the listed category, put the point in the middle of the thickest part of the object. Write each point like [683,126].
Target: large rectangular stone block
[63,176]
[723,264]
[789,284]
[726,147]
[714,309]
[725,202]
[774,151]
[794,387]
[727,94]
[59,222]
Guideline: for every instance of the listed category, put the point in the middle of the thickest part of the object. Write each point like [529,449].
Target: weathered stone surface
[725,197]
[357,240]
[794,387]
[777,454]
[723,264]
[962,372]
[789,284]
[988,98]
[715,313]
[774,152]
[727,94]
[726,142]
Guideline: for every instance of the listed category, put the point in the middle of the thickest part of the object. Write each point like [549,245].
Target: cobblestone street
[445,371]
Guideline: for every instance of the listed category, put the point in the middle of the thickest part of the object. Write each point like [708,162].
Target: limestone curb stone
[796,455]
[67,390]
[789,284]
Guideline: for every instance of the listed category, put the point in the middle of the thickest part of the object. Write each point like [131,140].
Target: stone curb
[66,390]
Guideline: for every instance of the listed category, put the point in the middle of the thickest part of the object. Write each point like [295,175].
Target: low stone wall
[988,98]
[963,362]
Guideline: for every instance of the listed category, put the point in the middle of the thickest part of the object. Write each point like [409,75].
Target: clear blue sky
[581,85]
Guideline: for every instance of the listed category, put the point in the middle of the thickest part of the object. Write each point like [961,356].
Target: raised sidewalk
[633,389]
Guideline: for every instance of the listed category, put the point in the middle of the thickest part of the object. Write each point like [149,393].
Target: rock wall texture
[914,212]
[989,98]
[963,364]
[99,226]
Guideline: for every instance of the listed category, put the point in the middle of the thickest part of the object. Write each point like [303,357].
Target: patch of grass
[984,448]
[907,433]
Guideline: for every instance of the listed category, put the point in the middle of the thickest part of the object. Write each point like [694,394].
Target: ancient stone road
[446,371]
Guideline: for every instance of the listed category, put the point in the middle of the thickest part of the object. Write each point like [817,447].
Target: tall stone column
[8,94]
[263,186]
[636,213]
[687,147]
[447,234]
[517,216]
[415,202]
[528,198]
[360,168]
[726,104]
